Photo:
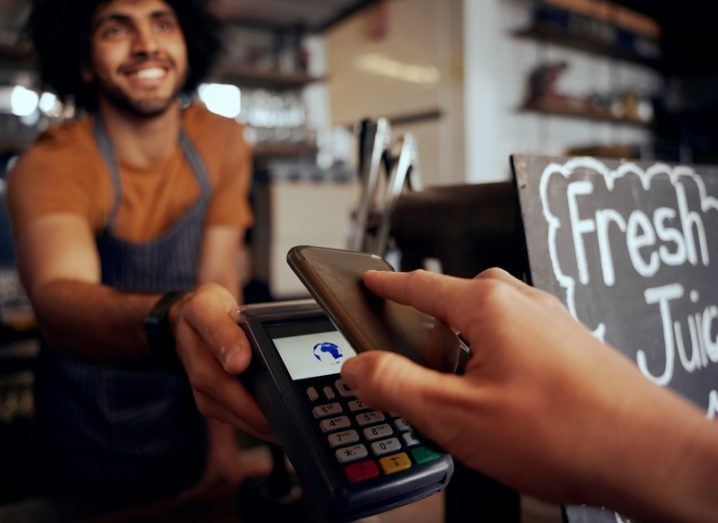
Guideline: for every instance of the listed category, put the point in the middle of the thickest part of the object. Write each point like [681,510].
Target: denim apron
[132,433]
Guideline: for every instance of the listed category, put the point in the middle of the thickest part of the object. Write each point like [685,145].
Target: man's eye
[165,26]
[113,31]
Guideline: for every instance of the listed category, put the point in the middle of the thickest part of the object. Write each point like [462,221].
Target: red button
[361,471]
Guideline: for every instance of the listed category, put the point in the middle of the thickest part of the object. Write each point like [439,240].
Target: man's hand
[544,406]
[214,350]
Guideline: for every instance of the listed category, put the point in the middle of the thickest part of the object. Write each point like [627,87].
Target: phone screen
[310,349]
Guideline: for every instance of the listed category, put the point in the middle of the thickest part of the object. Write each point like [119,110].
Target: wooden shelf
[265,151]
[571,111]
[13,146]
[282,15]
[623,151]
[584,43]
[23,50]
[250,77]
[18,57]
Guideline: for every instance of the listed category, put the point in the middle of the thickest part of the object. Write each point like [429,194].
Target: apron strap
[197,165]
[108,153]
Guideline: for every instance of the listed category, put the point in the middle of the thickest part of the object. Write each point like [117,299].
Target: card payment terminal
[354,460]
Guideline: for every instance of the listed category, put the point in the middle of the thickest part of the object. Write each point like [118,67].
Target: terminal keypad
[366,443]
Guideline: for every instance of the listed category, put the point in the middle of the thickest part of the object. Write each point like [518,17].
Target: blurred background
[472,80]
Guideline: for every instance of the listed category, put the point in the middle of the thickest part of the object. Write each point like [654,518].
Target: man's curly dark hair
[61,32]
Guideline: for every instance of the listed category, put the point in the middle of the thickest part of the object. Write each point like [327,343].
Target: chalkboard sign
[632,250]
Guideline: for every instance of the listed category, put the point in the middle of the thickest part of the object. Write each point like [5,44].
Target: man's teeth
[150,74]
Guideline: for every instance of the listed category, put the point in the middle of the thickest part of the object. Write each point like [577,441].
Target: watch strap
[157,329]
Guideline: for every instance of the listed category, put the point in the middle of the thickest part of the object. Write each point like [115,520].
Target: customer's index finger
[423,290]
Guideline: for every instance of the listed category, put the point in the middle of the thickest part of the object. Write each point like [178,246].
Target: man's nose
[145,40]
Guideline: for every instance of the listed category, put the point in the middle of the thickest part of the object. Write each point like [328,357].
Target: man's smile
[150,74]
[147,74]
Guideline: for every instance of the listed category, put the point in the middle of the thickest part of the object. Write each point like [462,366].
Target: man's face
[138,55]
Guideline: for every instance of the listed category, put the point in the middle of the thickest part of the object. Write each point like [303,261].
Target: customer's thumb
[390,382]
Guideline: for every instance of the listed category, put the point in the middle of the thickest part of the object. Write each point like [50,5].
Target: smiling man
[128,223]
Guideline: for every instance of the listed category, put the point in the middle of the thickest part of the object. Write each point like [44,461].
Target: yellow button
[395,463]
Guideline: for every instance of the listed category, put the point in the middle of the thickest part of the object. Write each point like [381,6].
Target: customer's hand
[214,350]
[544,406]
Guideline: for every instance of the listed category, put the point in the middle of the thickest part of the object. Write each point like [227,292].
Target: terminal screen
[312,354]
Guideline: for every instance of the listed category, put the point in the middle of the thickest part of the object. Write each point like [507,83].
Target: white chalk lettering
[640,234]
[604,218]
[689,363]
[661,296]
[691,220]
[669,234]
[712,405]
[696,326]
[711,344]
[664,237]
[647,230]
[697,352]
[579,227]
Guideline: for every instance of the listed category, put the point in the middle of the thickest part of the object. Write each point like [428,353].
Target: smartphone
[353,460]
[334,278]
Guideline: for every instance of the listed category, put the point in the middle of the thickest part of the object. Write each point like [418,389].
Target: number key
[351,453]
[330,409]
[343,389]
[378,431]
[401,425]
[329,393]
[385,446]
[340,422]
[410,439]
[370,417]
[343,438]
[356,405]
[312,394]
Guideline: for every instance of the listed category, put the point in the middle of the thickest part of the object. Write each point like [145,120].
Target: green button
[424,455]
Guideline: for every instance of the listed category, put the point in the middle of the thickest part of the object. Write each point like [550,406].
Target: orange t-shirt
[64,171]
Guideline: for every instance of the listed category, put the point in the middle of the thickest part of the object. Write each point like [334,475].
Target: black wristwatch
[157,329]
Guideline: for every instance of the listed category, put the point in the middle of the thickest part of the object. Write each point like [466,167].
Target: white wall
[496,66]
[420,33]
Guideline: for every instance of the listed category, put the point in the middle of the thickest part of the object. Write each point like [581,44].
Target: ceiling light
[23,101]
[222,99]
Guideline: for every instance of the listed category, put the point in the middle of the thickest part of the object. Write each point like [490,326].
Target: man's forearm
[92,320]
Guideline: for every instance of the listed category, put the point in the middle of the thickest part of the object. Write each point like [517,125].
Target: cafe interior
[387,127]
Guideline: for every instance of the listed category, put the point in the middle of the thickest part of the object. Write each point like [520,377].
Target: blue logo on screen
[328,353]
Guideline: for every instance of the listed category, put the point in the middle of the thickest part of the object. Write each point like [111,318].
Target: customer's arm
[60,269]
[544,406]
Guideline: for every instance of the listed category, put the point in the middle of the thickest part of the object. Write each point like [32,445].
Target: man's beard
[146,108]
